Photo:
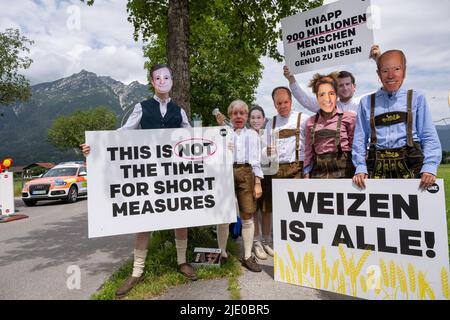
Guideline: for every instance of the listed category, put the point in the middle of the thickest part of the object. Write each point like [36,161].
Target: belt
[391,153]
[241,165]
[289,163]
[333,155]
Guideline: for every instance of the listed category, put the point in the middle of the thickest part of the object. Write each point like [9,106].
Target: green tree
[13,86]
[445,157]
[226,40]
[220,40]
[218,72]
[67,132]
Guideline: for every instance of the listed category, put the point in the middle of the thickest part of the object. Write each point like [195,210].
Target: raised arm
[306,100]
[375,52]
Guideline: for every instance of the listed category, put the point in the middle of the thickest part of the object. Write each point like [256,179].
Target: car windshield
[56,172]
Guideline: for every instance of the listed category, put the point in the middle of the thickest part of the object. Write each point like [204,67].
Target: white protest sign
[147,180]
[6,193]
[388,241]
[334,34]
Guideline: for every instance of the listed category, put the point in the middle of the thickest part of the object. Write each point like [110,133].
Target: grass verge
[160,267]
[444,173]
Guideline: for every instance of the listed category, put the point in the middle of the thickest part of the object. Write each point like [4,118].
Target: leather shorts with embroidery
[333,165]
[398,163]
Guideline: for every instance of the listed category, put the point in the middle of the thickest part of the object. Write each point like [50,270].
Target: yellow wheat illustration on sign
[344,275]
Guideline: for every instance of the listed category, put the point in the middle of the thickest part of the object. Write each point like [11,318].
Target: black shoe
[187,270]
[128,284]
[223,260]
[251,264]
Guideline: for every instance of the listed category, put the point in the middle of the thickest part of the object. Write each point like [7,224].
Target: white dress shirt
[247,149]
[134,120]
[310,102]
[285,148]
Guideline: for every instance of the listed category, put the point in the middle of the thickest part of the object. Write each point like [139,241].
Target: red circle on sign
[213,149]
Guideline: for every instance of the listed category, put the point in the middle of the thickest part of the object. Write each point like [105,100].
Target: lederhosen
[285,170]
[331,165]
[293,169]
[264,182]
[398,163]
[244,180]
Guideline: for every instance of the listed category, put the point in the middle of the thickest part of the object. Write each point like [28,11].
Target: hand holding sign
[375,52]
[358,179]
[427,180]
[288,75]
[85,149]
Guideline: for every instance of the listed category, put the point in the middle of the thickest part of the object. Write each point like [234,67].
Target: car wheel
[73,195]
[29,202]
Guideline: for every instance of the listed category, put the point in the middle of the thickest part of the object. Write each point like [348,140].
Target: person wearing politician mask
[328,134]
[159,112]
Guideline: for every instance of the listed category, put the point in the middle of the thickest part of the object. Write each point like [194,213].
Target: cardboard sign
[388,241]
[206,257]
[146,180]
[334,34]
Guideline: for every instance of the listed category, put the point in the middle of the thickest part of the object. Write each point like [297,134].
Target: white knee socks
[248,230]
[139,262]
[181,246]
[222,238]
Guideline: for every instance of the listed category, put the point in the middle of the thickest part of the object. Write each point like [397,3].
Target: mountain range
[23,126]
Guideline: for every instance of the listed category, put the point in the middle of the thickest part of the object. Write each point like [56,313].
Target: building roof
[47,165]
[16,169]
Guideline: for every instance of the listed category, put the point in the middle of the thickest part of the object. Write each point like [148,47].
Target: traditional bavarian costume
[404,162]
[328,153]
[156,114]
[290,160]
[246,166]
[402,144]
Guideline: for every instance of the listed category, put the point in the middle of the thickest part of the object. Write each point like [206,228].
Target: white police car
[66,181]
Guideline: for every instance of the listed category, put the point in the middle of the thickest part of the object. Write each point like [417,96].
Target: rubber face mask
[162,80]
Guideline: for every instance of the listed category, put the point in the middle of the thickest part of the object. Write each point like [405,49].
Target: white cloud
[119,62]
[70,36]
[55,67]
[76,52]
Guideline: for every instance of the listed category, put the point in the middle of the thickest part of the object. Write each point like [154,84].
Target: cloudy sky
[70,36]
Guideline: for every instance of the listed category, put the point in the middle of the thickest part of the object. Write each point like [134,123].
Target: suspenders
[328,133]
[409,120]
[410,141]
[287,133]
[247,148]
[404,162]
[338,134]
[297,138]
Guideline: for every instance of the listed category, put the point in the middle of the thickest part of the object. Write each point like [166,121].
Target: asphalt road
[42,256]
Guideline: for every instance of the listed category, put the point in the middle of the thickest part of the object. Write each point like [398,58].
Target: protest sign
[146,180]
[334,34]
[388,241]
